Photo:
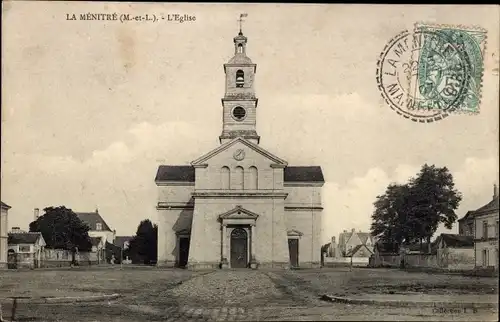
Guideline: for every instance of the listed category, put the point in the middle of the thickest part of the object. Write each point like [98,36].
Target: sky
[91,108]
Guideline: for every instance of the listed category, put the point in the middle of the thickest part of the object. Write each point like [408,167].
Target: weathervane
[243,15]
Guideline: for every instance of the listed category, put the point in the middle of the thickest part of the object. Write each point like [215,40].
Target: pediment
[294,232]
[201,161]
[239,213]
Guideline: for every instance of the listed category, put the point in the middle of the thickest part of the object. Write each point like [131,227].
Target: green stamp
[449,69]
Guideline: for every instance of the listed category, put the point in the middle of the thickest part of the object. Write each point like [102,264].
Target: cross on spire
[243,15]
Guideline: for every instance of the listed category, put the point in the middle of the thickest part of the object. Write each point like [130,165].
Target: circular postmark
[423,75]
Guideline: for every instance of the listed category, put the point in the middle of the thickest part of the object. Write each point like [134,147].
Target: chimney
[495,191]
[36,213]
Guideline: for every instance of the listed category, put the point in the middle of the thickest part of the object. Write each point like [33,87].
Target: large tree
[434,200]
[62,229]
[144,245]
[413,211]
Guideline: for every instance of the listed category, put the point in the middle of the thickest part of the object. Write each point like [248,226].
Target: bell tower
[239,103]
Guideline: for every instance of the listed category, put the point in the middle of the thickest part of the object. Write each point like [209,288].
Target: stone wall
[450,259]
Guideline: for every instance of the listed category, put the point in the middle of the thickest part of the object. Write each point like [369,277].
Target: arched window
[238,178]
[225,177]
[253,179]
[240,48]
[240,78]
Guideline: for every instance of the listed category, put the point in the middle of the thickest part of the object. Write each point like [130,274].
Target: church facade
[239,205]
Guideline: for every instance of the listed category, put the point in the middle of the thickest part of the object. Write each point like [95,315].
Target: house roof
[23,238]
[364,237]
[457,241]
[185,173]
[467,215]
[356,248]
[120,240]
[491,206]
[91,219]
[5,206]
[346,236]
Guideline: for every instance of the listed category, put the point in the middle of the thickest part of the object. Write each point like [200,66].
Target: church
[239,205]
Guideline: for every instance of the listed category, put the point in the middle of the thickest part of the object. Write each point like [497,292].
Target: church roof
[184,173]
[304,174]
[240,59]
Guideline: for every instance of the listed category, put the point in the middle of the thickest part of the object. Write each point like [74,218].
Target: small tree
[144,245]
[62,229]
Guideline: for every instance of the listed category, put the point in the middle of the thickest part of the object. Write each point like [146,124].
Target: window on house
[485,257]
[471,229]
[24,249]
[98,226]
[496,229]
[485,229]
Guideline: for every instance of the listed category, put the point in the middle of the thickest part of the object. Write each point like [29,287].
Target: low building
[25,249]
[350,240]
[97,225]
[4,234]
[486,233]
[455,251]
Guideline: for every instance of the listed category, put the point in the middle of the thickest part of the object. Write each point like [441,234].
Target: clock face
[239,154]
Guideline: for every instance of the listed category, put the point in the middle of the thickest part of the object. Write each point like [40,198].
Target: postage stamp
[433,71]
[450,68]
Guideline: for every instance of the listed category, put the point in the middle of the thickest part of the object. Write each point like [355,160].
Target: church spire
[243,15]
[239,102]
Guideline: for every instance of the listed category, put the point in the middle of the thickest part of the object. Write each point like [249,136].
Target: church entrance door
[293,249]
[239,248]
[183,251]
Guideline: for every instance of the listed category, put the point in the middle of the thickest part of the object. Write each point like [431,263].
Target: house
[349,240]
[466,224]
[98,227]
[4,234]
[486,233]
[455,251]
[98,252]
[360,251]
[25,249]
